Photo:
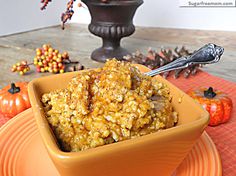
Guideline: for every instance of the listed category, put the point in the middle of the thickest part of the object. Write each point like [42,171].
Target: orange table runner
[224,136]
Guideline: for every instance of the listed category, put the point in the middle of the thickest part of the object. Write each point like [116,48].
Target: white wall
[167,13]
[23,15]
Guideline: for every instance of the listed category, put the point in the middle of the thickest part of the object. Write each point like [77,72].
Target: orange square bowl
[159,153]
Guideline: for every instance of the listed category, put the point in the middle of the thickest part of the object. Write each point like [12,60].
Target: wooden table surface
[77,40]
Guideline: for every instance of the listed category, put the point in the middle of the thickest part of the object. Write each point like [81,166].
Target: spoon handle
[207,54]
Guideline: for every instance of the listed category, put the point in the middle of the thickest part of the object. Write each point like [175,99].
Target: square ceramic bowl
[159,153]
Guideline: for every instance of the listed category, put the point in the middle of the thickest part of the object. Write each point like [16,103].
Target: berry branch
[48,59]
[67,15]
[69,12]
[45,4]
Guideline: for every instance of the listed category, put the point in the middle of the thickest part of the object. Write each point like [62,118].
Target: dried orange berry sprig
[69,12]
[45,4]
[67,15]
[21,67]
[48,59]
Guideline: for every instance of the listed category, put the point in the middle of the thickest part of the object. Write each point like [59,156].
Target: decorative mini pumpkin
[14,99]
[217,103]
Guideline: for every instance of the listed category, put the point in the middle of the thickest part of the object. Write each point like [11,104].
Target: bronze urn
[111,20]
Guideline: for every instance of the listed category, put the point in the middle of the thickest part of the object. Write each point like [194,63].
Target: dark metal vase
[111,21]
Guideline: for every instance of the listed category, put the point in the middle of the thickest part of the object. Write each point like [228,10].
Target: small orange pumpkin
[216,102]
[14,99]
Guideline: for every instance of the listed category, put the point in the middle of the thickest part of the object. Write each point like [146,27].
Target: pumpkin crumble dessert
[107,105]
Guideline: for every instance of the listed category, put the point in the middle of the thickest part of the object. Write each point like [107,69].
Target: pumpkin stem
[14,89]
[209,93]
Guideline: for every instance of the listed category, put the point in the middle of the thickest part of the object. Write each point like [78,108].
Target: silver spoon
[208,54]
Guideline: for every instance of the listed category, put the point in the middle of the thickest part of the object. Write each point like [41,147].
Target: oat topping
[107,105]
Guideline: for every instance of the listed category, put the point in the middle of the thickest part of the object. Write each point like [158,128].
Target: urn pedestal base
[109,50]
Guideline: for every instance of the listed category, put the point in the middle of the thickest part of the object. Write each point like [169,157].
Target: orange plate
[23,153]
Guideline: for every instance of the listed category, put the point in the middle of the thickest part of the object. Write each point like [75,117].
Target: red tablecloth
[224,136]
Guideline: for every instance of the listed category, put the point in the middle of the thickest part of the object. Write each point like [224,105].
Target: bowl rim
[52,145]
